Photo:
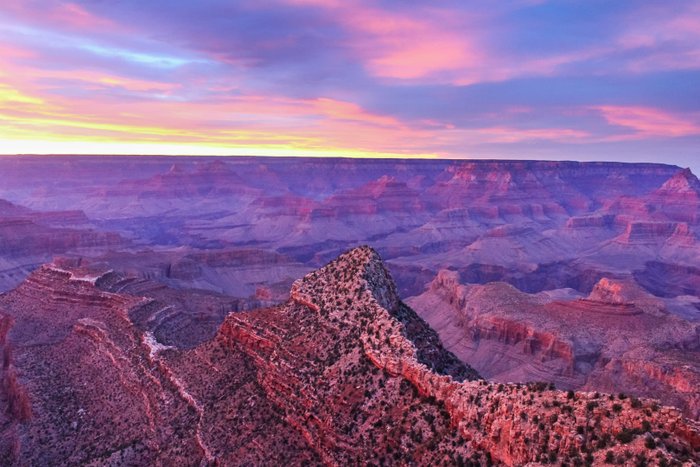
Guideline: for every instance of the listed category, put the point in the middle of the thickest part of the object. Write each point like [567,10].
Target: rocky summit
[342,373]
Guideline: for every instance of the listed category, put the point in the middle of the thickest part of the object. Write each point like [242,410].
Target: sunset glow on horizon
[518,79]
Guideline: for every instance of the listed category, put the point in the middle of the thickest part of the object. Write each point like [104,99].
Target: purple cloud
[565,80]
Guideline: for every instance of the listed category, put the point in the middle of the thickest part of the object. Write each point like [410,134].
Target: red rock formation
[383,196]
[29,238]
[343,373]
[239,226]
[428,214]
[679,197]
[97,391]
[669,280]
[595,221]
[499,435]
[23,236]
[677,200]
[655,232]
[598,343]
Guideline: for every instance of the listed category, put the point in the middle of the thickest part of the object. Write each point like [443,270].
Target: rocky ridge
[342,373]
[619,338]
[491,419]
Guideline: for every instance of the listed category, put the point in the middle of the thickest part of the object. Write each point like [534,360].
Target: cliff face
[28,238]
[26,232]
[342,373]
[619,338]
[679,197]
[507,216]
[358,328]
[94,393]
[81,344]
[655,232]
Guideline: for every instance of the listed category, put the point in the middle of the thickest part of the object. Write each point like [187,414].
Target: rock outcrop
[95,393]
[597,218]
[656,232]
[619,338]
[342,373]
[248,227]
[28,238]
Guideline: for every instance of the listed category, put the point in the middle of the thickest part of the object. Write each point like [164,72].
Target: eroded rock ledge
[513,424]
[341,374]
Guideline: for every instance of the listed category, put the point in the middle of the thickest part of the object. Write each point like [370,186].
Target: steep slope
[342,373]
[425,214]
[669,280]
[679,197]
[351,368]
[620,338]
[683,183]
[28,238]
[94,393]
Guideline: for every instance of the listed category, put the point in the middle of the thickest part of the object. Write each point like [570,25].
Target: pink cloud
[62,14]
[8,51]
[647,122]
[398,46]
[656,31]
[78,17]
[514,135]
[29,109]
[507,135]
[349,111]
[425,43]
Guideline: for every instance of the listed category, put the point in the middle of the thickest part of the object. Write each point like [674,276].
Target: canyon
[173,284]
[567,221]
[619,336]
[342,372]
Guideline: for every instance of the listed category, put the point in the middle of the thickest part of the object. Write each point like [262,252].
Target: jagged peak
[684,181]
[360,267]
[73,269]
[357,293]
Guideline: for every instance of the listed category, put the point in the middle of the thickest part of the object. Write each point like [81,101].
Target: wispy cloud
[650,123]
[331,77]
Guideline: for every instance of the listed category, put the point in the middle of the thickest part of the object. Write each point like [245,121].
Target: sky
[515,79]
